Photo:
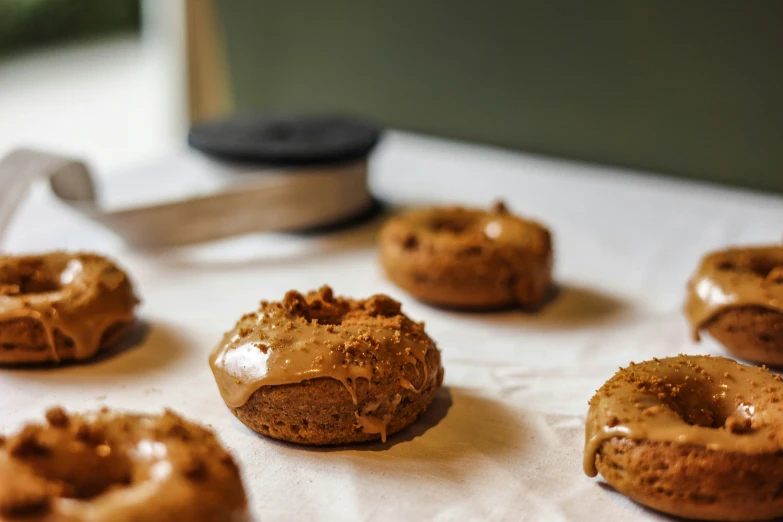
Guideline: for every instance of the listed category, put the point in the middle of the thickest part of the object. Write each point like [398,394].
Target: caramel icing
[453,227]
[370,422]
[712,402]
[79,295]
[283,344]
[732,278]
[442,254]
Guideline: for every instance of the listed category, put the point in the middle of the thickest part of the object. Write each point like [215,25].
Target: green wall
[26,24]
[691,88]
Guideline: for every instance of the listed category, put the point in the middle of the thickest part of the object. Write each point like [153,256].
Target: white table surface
[503,439]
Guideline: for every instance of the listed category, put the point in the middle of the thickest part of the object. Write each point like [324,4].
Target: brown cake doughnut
[320,369]
[468,258]
[737,296]
[59,306]
[110,467]
[693,436]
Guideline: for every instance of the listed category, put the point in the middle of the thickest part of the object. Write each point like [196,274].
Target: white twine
[270,200]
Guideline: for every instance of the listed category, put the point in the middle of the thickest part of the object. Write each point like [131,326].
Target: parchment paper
[504,439]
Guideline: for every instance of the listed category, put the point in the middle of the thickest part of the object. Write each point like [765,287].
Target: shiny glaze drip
[712,402]
[371,421]
[732,278]
[88,295]
[277,346]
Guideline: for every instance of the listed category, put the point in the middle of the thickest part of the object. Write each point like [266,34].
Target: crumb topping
[316,335]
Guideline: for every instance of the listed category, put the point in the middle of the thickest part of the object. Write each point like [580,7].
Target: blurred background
[102,80]
[685,89]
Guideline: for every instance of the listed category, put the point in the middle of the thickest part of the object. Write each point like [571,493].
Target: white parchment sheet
[503,440]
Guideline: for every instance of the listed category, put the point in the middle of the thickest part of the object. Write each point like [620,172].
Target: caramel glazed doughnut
[320,369]
[468,258]
[737,296]
[60,306]
[693,436]
[110,467]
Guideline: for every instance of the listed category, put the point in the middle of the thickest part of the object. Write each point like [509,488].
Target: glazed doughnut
[320,369]
[468,258]
[693,436]
[737,296]
[110,467]
[59,306]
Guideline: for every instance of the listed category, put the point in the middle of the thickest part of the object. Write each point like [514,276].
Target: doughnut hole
[764,266]
[28,278]
[775,276]
[726,265]
[454,223]
[752,333]
[410,242]
[76,460]
[701,402]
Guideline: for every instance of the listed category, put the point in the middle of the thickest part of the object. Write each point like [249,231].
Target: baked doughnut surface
[736,295]
[693,436]
[321,369]
[111,467]
[60,306]
[468,258]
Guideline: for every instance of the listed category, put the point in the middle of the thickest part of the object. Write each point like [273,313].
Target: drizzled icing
[732,278]
[373,423]
[80,296]
[450,228]
[707,401]
[297,340]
